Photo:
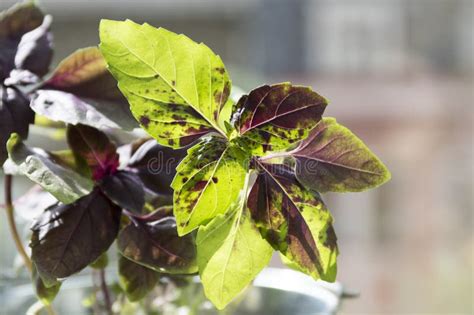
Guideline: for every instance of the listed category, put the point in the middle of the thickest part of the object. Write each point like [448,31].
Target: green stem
[14,231]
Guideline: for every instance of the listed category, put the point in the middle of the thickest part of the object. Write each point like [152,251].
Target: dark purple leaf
[84,73]
[156,245]
[294,221]
[125,189]
[35,49]
[14,23]
[156,165]
[15,117]
[67,238]
[68,108]
[95,148]
[332,158]
[136,280]
[273,117]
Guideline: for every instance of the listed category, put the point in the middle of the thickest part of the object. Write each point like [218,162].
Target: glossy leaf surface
[294,221]
[67,238]
[271,118]
[38,165]
[155,244]
[176,87]
[35,49]
[207,182]
[231,252]
[95,148]
[14,23]
[66,107]
[136,280]
[332,158]
[125,189]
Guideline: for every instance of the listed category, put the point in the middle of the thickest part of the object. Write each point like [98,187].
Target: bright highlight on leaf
[207,182]
[231,253]
[176,87]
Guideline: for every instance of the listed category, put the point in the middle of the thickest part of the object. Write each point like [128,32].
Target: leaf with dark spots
[42,168]
[155,68]
[125,189]
[294,221]
[207,182]
[271,118]
[68,108]
[156,245]
[95,148]
[67,238]
[332,158]
[136,280]
[84,73]
[171,124]
[156,166]
[35,51]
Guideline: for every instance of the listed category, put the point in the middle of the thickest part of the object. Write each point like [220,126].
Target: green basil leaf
[231,252]
[176,87]
[95,148]
[45,293]
[294,221]
[154,243]
[40,167]
[84,73]
[207,182]
[67,238]
[332,158]
[136,280]
[271,118]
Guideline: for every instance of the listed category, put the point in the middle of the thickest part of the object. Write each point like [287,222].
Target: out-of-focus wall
[399,73]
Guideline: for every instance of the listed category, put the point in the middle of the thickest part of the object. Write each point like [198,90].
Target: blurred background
[399,73]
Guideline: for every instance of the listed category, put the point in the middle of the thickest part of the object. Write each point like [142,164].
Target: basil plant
[213,186]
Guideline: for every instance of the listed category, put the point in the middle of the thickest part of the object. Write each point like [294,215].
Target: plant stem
[14,231]
[105,292]
[12,225]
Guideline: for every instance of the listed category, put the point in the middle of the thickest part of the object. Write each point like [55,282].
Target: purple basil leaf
[332,158]
[84,73]
[294,221]
[95,148]
[67,238]
[156,164]
[35,49]
[125,189]
[20,19]
[135,279]
[15,116]
[156,245]
[273,117]
[14,23]
[68,108]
